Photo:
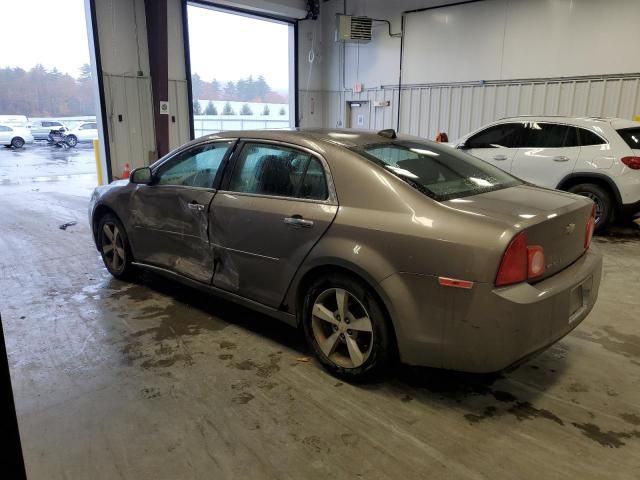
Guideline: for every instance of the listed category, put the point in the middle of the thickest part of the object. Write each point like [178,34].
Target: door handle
[298,221]
[500,157]
[193,205]
[560,158]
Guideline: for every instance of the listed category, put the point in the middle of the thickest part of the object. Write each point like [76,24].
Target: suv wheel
[602,199]
[346,327]
[17,142]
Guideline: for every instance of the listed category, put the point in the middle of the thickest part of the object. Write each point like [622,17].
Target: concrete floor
[152,380]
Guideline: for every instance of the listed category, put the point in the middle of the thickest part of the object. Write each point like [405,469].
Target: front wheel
[114,247]
[17,142]
[71,140]
[347,328]
[602,200]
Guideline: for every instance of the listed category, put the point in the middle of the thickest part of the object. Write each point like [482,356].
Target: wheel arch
[599,179]
[98,212]
[298,289]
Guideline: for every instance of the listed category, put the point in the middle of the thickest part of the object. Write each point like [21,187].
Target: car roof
[338,136]
[584,121]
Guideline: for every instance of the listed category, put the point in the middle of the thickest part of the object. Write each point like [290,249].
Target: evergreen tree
[211,109]
[197,108]
[282,111]
[227,110]
[246,110]
[265,110]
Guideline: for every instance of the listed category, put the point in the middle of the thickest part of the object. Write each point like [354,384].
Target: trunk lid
[552,219]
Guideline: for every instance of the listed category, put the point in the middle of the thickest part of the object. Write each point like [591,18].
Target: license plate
[579,297]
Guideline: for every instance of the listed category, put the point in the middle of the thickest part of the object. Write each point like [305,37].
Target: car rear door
[497,144]
[277,201]
[170,218]
[548,153]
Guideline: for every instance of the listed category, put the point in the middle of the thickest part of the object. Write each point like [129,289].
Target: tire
[327,327]
[119,267]
[602,199]
[17,142]
[71,140]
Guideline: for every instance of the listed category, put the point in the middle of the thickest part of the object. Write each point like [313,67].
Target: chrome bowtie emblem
[570,228]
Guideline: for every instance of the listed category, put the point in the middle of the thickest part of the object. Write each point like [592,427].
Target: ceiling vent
[354,29]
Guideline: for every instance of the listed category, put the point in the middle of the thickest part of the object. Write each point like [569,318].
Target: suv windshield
[440,172]
[631,136]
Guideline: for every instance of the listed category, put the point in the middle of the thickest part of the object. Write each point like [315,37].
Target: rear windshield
[441,172]
[631,136]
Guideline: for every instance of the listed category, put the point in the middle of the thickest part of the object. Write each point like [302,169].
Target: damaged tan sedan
[378,246]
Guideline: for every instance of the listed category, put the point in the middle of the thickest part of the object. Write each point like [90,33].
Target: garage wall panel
[461,108]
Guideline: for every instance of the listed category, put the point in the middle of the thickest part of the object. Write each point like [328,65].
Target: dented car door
[170,216]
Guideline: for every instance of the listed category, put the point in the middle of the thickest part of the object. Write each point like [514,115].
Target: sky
[223,46]
[228,47]
[53,33]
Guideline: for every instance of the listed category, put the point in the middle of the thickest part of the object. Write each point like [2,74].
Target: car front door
[170,217]
[549,152]
[5,134]
[276,204]
[497,144]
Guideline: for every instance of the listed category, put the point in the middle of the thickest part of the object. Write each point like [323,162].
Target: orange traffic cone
[126,172]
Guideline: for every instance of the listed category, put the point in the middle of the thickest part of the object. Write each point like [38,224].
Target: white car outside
[595,157]
[85,132]
[13,136]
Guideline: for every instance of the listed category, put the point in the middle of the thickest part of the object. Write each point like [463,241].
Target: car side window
[549,135]
[278,171]
[589,138]
[4,129]
[196,167]
[504,135]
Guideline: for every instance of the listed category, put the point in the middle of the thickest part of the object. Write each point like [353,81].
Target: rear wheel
[114,247]
[346,326]
[602,199]
[17,142]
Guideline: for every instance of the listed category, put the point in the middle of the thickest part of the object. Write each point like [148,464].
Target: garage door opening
[47,107]
[242,70]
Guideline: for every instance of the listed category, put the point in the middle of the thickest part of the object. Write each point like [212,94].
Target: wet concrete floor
[153,380]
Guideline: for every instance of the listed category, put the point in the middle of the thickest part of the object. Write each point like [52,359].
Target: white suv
[595,157]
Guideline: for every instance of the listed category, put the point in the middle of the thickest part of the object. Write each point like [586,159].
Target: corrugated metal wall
[460,108]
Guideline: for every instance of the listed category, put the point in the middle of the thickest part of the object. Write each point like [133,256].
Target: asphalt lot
[154,380]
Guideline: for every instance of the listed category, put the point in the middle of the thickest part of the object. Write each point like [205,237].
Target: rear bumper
[487,329]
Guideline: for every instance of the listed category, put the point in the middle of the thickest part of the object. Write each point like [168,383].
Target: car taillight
[631,162]
[520,262]
[590,227]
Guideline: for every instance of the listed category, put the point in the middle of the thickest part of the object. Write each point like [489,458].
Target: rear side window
[442,173]
[631,136]
[506,135]
[550,135]
[589,138]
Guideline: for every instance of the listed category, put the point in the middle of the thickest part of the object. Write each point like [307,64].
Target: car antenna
[388,133]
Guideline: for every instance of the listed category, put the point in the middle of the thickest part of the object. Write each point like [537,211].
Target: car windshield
[440,172]
[631,136]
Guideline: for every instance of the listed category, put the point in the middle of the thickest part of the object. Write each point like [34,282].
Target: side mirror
[141,176]
[462,146]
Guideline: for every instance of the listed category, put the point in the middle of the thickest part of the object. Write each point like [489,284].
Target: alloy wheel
[342,328]
[113,249]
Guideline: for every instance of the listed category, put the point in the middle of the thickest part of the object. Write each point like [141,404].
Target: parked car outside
[373,244]
[13,136]
[85,132]
[595,157]
[40,129]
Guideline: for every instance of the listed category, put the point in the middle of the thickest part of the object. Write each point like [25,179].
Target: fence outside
[206,124]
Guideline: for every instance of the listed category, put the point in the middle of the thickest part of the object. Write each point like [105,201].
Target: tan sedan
[376,245]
